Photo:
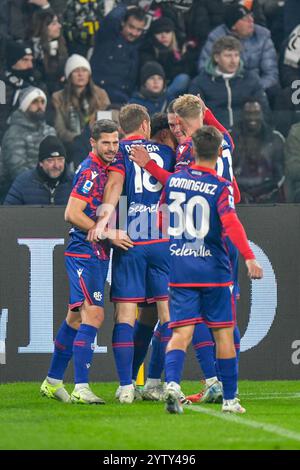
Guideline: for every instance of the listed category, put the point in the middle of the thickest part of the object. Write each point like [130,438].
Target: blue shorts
[214,306]
[141,274]
[87,276]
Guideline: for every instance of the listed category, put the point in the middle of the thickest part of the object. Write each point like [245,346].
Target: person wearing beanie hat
[48,183]
[27,128]
[152,93]
[258,51]
[19,74]
[28,96]
[163,46]
[77,102]
[239,19]
[74,62]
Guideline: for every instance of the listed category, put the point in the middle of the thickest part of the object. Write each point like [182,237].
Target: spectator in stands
[292,164]
[162,45]
[116,54]
[291,16]
[254,6]
[287,104]
[274,13]
[27,128]
[152,94]
[48,183]
[81,22]
[225,84]
[18,75]
[75,104]
[16,15]
[258,52]
[49,49]
[258,158]
[289,62]
[202,18]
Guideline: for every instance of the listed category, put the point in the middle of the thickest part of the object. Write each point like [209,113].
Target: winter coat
[226,97]
[81,146]
[291,16]
[153,104]
[292,163]
[258,53]
[258,163]
[202,18]
[20,144]
[30,188]
[63,119]
[115,61]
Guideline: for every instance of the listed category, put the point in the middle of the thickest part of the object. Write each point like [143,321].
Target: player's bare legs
[123,348]
[227,363]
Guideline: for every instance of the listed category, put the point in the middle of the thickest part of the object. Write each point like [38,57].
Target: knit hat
[162,25]
[149,69]
[51,146]
[74,62]
[233,13]
[16,51]
[28,95]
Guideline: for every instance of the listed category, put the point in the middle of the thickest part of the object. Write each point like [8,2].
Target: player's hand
[139,155]
[254,269]
[120,239]
[95,233]
[39,3]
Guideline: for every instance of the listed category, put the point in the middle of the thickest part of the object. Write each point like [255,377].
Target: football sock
[63,351]
[122,343]
[83,352]
[237,341]
[229,376]
[142,335]
[174,365]
[204,348]
[157,363]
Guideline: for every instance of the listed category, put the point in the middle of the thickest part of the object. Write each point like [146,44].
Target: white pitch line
[271,397]
[282,432]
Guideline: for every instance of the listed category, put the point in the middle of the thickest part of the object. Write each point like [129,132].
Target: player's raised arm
[141,157]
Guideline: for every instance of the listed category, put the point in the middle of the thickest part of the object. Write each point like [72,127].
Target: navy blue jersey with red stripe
[141,189]
[185,157]
[88,185]
[197,198]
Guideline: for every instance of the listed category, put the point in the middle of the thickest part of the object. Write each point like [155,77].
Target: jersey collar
[134,137]
[98,160]
[204,169]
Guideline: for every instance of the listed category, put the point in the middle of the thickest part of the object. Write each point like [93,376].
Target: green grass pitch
[29,421]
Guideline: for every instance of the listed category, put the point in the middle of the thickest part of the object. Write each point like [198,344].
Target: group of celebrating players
[175,255]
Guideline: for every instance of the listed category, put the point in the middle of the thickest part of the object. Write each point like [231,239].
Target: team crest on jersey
[94,174]
[87,186]
[97,296]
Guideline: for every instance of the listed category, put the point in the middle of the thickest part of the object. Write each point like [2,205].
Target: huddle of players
[197,275]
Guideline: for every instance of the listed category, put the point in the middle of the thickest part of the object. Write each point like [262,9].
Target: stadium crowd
[64,61]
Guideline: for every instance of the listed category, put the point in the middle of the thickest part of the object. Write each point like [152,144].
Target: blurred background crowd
[66,63]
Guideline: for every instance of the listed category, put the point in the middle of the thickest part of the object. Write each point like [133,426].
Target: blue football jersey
[197,198]
[185,157]
[141,189]
[88,185]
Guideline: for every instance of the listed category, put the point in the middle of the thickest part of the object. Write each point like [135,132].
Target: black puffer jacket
[31,188]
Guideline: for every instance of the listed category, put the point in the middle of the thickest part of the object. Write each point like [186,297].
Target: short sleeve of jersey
[83,184]
[225,204]
[118,163]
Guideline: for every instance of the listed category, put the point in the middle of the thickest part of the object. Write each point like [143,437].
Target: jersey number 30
[192,218]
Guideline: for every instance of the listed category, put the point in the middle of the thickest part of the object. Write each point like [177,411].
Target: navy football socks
[63,351]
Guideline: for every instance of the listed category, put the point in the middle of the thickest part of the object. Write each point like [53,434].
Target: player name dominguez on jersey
[184,183]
